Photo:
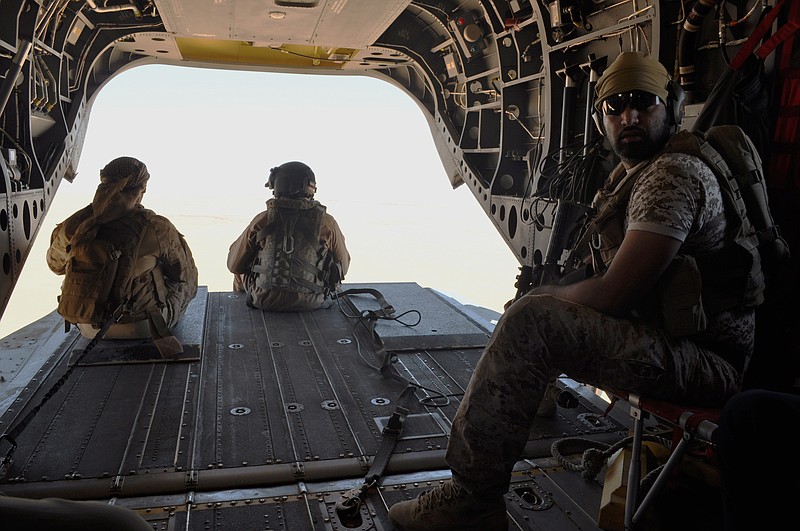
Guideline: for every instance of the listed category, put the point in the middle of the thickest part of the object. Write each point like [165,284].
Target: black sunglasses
[637,99]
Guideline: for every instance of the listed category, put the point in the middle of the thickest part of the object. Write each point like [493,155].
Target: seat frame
[693,424]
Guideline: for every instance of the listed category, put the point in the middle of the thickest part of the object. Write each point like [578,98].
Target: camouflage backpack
[733,158]
[292,258]
[99,271]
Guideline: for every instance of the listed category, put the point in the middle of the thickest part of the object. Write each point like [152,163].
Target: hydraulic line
[23,50]
[566,210]
[110,9]
[589,129]
[687,45]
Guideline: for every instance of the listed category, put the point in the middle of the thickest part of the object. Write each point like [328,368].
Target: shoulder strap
[746,182]
[707,147]
[713,148]
[604,231]
[136,223]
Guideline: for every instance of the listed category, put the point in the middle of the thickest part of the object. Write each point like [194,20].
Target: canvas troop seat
[690,426]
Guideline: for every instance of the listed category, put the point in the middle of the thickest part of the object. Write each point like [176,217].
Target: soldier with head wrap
[659,209]
[292,255]
[162,277]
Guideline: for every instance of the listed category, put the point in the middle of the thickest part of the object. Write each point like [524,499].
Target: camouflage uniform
[162,249]
[244,251]
[540,337]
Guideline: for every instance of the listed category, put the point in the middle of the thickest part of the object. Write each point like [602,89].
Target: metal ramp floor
[269,417]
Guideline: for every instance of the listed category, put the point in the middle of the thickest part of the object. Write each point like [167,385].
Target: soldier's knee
[532,307]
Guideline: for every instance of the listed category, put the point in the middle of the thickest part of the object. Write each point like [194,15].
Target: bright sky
[209,138]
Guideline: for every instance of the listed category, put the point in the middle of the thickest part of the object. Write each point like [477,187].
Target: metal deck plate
[275,401]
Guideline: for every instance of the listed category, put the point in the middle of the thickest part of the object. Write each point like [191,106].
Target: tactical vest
[291,257]
[692,286]
[100,275]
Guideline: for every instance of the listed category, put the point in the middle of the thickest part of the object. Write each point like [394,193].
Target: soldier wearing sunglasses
[657,211]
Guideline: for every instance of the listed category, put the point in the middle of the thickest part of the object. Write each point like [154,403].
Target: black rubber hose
[687,46]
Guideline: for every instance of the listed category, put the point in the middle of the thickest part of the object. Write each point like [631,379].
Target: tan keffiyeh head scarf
[122,182]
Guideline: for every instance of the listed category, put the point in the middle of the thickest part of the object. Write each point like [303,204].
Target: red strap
[786,54]
[781,35]
[752,41]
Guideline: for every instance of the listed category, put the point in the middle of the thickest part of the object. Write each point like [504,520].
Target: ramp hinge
[116,483]
[192,478]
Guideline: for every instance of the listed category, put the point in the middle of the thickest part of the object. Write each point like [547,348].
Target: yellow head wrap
[632,71]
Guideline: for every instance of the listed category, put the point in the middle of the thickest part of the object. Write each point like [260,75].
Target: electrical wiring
[567,179]
[538,149]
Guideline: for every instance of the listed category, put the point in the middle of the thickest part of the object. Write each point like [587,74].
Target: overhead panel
[268,23]
[356,23]
[203,18]
[339,23]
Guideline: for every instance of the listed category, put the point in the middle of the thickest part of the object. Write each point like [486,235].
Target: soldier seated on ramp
[128,271]
[291,256]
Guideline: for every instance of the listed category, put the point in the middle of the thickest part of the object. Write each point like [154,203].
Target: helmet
[290,179]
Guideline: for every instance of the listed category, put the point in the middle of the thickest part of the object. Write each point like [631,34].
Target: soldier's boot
[449,507]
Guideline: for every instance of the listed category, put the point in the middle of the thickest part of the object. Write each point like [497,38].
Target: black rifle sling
[12,434]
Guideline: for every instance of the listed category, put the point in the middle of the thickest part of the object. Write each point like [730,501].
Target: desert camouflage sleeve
[59,239]
[336,242]
[242,251]
[180,271]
